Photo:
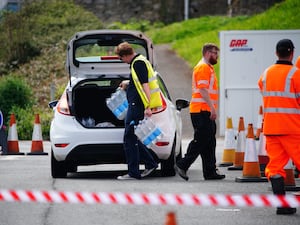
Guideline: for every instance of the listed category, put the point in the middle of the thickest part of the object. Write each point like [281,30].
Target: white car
[83,130]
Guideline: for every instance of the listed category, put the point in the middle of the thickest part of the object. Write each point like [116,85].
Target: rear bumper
[91,154]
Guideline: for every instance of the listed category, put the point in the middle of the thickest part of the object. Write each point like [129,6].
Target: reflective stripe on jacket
[155,99]
[203,77]
[279,86]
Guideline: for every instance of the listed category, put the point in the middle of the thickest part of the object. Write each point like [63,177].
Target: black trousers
[203,144]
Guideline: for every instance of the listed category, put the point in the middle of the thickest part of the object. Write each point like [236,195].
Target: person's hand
[124,84]
[148,112]
[213,114]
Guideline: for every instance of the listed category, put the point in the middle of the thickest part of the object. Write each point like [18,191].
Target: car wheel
[58,169]
[167,166]
[72,168]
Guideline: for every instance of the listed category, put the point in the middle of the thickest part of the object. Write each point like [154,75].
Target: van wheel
[58,169]
[167,166]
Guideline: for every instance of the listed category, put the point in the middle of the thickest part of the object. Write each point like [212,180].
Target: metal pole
[186,9]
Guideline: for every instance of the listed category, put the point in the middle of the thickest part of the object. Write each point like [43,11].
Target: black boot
[278,189]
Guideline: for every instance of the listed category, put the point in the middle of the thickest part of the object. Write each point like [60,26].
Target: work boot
[181,172]
[278,189]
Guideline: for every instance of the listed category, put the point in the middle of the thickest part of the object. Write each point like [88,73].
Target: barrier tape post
[185,199]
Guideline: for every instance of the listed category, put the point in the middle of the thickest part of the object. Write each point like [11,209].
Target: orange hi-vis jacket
[280,88]
[204,76]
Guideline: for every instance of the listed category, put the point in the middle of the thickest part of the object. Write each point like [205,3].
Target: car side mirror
[52,104]
[181,104]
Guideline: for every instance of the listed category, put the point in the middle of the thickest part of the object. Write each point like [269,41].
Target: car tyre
[58,169]
[167,166]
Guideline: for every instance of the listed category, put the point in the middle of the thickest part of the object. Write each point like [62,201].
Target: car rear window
[102,49]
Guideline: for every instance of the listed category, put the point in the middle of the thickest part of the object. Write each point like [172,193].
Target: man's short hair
[209,47]
[124,49]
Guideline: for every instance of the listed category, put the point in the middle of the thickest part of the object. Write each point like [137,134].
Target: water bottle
[146,139]
[123,103]
[139,132]
[90,122]
[111,104]
[151,128]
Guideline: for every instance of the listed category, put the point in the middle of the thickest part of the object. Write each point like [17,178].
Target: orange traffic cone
[263,158]
[251,170]
[259,123]
[170,219]
[229,145]
[240,147]
[12,138]
[289,181]
[37,138]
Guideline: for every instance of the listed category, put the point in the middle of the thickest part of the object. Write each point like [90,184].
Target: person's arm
[205,95]
[146,88]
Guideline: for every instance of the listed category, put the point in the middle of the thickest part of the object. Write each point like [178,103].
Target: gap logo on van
[239,45]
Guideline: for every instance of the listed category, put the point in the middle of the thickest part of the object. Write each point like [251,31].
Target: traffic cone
[170,219]
[12,138]
[289,181]
[251,170]
[263,158]
[37,138]
[240,147]
[259,123]
[229,145]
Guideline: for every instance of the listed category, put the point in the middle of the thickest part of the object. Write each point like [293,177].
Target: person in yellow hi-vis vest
[143,94]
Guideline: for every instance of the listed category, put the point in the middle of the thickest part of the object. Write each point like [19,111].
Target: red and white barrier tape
[225,200]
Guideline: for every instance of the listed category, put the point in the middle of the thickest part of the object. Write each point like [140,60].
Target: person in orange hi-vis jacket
[280,89]
[203,113]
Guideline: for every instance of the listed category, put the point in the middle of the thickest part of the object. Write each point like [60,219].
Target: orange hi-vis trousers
[280,149]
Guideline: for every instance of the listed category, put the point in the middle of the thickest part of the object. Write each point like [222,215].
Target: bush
[16,36]
[24,121]
[14,92]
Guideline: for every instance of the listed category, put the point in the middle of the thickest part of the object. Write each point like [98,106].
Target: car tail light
[162,143]
[62,106]
[61,145]
[162,108]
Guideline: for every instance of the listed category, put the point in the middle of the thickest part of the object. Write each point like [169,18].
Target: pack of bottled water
[88,122]
[148,132]
[118,104]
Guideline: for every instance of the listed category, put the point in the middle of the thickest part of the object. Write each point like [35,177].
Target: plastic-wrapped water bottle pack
[118,104]
[148,132]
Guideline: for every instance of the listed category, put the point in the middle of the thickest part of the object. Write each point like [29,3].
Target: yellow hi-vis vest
[155,99]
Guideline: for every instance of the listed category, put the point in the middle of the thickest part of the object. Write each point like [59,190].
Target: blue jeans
[135,151]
